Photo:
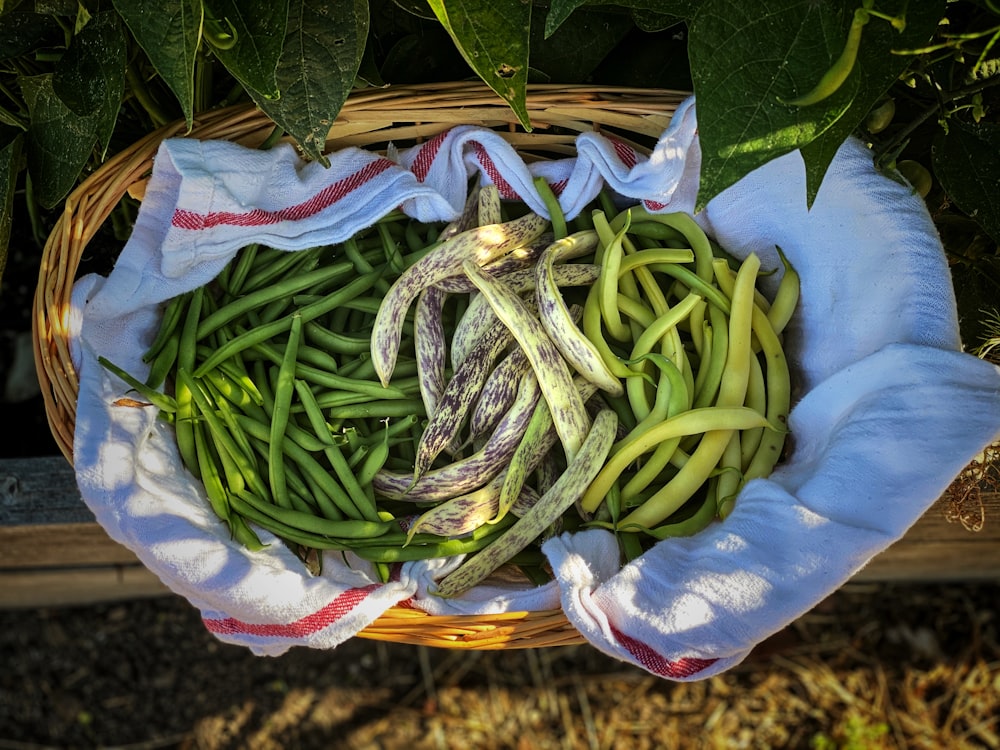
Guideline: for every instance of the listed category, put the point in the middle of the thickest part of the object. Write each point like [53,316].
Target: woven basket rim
[368,117]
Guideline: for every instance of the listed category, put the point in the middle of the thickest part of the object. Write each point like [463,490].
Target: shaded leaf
[259,27]
[579,46]
[169,32]
[967,163]
[319,62]
[878,68]
[60,141]
[493,37]
[10,160]
[90,77]
[25,32]
[747,56]
[651,15]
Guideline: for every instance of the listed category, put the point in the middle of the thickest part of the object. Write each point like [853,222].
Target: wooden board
[52,551]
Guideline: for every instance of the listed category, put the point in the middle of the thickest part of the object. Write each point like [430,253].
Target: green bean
[778,397]
[756,399]
[308,465]
[183,428]
[609,280]
[221,436]
[693,524]
[831,81]
[164,362]
[173,313]
[228,418]
[374,461]
[671,399]
[593,330]
[240,269]
[210,479]
[352,529]
[556,215]
[337,343]
[426,551]
[683,223]
[732,393]
[159,400]
[263,333]
[695,283]
[283,391]
[281,291]
[278,267]
[786,298]
[333,381]
[705,395]
[333,454]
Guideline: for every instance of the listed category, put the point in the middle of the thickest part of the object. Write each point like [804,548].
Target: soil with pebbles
[875,665]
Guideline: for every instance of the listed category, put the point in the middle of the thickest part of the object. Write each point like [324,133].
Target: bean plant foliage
[80,79]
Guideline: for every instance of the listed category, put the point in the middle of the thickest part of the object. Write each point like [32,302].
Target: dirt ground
[874,666]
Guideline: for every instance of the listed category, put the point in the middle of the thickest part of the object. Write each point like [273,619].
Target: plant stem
[944,98]
[138,87]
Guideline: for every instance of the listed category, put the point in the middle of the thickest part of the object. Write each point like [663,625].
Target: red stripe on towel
[426,155]
[186,219]
[624,152]
[504,187]
[656,662]
[323,618]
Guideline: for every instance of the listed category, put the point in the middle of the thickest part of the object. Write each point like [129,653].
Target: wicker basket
[369,119]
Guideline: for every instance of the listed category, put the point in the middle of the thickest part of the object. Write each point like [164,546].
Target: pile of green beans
[306,408]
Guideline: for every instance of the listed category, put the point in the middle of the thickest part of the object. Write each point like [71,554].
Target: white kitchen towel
[890,408]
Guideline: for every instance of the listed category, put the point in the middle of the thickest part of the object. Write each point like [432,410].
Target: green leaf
[90,77]
[559,11]
[320,58]
[967,163]
[10,159]
[744,58]
[581,43]
[259,27]
[878,68]
[169,32]
[493,37]
[24,32]
[59,141]
[652,15]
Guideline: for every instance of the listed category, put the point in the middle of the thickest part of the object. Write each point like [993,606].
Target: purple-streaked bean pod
[499,392]
[575,347]
[568,412]
[538,439]
[476,246]
[520,259]
[489,205]
[465,220]
[479,314]
[458,397]
[462,515]
[431,346]
[468,473]
[567,490]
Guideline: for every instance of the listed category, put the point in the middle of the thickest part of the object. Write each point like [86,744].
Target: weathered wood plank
[53,552]
[66,587]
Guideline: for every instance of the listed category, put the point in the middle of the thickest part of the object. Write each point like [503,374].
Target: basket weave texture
[370,119]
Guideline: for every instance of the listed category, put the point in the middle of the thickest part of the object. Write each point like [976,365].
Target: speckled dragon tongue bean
[478,246]
[431,346]
[568,412]
[557,321]
[469,473]
[567,490]
[459,396]
[479,316]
